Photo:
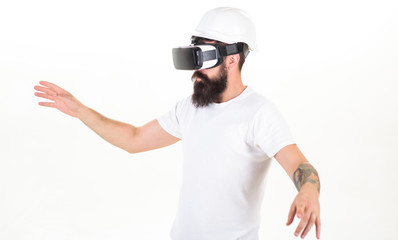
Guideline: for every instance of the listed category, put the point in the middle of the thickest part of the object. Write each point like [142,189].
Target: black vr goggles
[201,56]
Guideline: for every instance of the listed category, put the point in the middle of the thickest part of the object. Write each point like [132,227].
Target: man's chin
[208,91]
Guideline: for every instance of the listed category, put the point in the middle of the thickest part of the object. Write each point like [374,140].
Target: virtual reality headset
[202,56]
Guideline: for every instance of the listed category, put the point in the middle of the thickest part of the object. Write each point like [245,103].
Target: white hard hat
[228,25]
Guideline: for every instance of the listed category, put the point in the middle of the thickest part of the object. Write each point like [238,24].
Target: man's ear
[233,61]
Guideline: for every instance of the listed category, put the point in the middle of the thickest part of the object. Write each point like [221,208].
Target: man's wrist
[310,188]
[83,113]
[306,174]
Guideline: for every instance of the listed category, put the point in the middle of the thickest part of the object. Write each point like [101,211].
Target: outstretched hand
[61,99]
[306,207]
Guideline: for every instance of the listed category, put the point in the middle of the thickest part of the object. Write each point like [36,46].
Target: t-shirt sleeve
[270,132]
[170,121]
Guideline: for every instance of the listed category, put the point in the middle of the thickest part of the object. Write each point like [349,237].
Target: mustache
[200,75]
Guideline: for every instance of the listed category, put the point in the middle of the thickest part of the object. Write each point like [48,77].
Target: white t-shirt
[227,150]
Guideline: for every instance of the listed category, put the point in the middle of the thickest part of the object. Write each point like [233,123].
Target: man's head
[232,31]
[218,50]
[210,83]
[209,86]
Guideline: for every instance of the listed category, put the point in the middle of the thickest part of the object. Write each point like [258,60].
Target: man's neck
[234,88]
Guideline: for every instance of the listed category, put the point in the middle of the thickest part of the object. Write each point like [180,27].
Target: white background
[330,67]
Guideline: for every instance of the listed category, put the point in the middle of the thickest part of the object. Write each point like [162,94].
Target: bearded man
[229,132]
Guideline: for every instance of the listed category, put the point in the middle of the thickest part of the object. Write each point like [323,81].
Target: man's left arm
[306,204]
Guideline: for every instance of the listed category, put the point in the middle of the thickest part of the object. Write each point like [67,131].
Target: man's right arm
[125,136]
[128,137]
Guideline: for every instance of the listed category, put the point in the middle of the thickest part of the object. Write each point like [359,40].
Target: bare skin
[125,136]
[151,136]
[306,204]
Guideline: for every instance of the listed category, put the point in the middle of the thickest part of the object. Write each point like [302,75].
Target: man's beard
[207,90]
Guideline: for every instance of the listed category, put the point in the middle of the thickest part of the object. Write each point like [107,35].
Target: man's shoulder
[256,99]
[184,104]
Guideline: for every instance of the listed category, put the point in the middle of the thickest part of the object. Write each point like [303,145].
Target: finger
[310,223]
[45,90]
[44,95]
[300,210]
[52,86]
[302,224]
[318,228]
[292,213]
[46,104]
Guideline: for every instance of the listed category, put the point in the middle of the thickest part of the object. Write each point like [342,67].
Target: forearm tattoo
[306,173]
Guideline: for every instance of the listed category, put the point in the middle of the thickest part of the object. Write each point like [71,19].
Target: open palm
[61,99]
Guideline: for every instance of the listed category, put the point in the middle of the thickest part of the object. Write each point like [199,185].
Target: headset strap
[230,49]
[210,55]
